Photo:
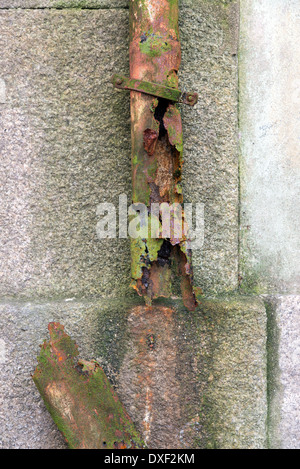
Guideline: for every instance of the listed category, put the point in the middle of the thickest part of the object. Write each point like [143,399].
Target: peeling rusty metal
[150,141]
[157,144]
[154,89]
[80,398]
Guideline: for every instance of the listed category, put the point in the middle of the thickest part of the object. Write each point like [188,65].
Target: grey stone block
[230,358]
[209,37]
[97,327]
[269,124]
[65,137]
[24,4]
[206,373]
[284,371]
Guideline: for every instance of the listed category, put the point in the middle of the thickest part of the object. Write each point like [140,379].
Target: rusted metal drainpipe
[78,395]
[157,145]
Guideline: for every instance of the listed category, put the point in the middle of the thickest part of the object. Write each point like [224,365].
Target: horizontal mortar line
[62,8]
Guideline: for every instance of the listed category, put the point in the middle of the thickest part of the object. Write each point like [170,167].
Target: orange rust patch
[151,375]
[150,141]
[80,397]
[164,174]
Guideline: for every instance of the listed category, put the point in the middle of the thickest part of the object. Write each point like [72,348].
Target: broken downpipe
[157,145]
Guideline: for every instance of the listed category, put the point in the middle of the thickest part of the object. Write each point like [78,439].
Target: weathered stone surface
[209,37]
[149,379]
[64,4]
[65,138]
[207,369]
[99,330]
[284,371]
[228,350]
[269,120]
[66,147]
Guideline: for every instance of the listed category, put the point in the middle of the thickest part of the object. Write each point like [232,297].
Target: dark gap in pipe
[159,113]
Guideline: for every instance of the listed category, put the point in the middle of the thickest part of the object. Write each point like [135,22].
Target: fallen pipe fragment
[80,398]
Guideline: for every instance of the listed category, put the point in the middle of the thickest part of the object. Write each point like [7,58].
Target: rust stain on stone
[150,372]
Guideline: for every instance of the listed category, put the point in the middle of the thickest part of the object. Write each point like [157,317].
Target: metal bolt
[190,98]
[119,81]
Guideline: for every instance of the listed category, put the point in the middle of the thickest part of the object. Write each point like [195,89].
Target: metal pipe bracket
[154,89]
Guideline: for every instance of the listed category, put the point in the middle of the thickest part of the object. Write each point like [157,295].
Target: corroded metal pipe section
[157,146]
[80,398]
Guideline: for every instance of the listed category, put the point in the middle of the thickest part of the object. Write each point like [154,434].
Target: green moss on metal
[144,251]
[161,90]
[173,16]
[80,398]
[141,192]
[172,121]
[152,168]
[155,45]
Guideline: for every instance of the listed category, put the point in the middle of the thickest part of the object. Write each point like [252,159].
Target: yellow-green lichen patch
[154,45]
[80,398]
[173,125]
[144,251]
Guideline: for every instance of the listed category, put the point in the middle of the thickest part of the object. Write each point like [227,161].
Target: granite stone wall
[65,148]
[269,73]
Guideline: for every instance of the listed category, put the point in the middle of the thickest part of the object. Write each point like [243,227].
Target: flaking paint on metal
[155,56]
